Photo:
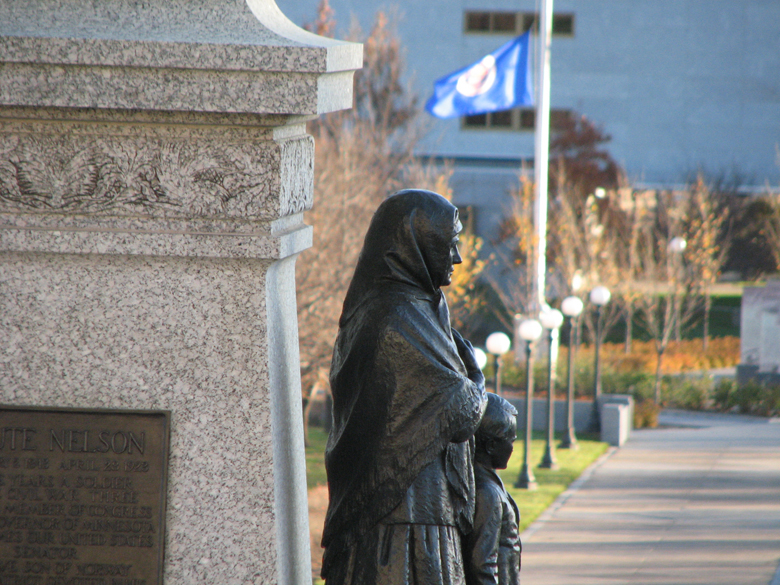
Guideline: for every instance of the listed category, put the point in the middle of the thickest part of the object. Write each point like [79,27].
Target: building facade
[681,86]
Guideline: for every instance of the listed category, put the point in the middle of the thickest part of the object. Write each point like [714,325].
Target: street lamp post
[572,308]
[529,331]
[497,344]
[599,296]
[676,247]
[551,319]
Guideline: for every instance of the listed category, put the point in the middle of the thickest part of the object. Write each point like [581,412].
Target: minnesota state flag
[498,81]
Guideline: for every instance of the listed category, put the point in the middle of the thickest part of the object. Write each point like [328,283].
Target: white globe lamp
[572,306]
[551,319]
[529,330]
[498,343]
[600,296]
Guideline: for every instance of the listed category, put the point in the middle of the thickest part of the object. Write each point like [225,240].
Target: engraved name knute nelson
[73,441]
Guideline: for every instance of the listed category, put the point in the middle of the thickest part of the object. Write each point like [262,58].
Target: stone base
[747,374]
[615,423]
[180,334]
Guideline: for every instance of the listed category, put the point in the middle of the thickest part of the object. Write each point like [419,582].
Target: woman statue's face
[454,259]
[442,273]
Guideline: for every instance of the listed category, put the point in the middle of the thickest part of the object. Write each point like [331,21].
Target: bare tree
[580,251]
[638,213]
[514,252]
[662,282]
[771,229]
[584,247]
[708,244]
[769,222]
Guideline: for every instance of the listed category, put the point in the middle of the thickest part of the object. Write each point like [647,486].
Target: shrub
[646,414]
[683,356]
[635,382]
[747,398]
[688,393]
[722,394]
[772,401]
[750,398]
[634,374]
[755,398]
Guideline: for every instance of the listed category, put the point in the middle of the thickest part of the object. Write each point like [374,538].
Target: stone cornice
[175,55]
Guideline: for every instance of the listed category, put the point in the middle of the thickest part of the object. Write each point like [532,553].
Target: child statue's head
[497,432]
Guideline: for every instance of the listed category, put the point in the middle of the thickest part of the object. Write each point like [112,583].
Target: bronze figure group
[415,439]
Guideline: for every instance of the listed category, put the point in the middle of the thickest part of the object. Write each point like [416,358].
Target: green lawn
[315,458]
[551,483]
[530,503]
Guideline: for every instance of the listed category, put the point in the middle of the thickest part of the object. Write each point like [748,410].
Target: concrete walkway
[694,502]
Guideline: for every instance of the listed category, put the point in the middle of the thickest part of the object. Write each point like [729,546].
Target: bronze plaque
[82,496]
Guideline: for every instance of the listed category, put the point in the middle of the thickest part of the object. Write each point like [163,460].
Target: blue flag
[498,81]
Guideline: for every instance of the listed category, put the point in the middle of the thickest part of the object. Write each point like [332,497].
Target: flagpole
[542,152]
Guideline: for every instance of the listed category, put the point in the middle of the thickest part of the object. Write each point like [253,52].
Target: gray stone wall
[760,334]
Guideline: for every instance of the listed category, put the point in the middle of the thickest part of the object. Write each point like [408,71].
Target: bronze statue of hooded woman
[408,396]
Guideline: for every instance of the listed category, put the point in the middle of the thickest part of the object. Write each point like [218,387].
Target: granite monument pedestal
[154,170]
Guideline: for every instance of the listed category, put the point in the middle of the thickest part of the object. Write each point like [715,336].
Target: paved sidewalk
[693,503]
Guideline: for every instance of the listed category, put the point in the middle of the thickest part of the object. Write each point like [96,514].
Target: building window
[527,119]
[529,20]
[519,119]
[559,118]
[491,22]
[476,121]
[562,23]
[494,121]
[504,22]
[477,22]
[515,23]
[501,119]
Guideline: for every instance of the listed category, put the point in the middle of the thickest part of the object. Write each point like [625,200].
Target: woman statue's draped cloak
[399,453]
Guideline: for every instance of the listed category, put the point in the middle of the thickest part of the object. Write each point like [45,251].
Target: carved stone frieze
[156,175]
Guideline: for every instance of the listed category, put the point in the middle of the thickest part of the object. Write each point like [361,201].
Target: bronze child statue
[408,396]
[492,550]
